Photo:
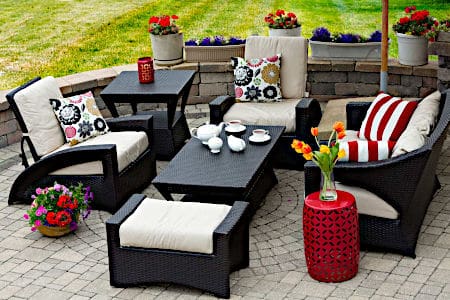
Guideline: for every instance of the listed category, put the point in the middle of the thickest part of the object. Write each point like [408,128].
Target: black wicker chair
[111,188]
[130,266]
[294,57]
[406,182]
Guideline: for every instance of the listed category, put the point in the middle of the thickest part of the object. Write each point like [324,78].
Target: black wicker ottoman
[132,266]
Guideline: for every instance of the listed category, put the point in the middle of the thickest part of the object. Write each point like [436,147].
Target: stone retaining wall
[326,80]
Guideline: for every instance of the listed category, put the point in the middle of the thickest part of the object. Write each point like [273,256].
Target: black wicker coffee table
[224,177]
[170,127]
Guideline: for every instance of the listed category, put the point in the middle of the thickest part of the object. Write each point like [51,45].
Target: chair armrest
[218,107]
[356,112]
[395,180]
[307,115]
[132,123]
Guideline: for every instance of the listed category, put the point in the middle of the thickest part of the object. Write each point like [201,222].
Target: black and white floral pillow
[79,117]
[257,79]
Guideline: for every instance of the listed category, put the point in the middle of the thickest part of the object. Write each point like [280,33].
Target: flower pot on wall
[213,53]
[297,31]
[346,51]
[412,50]
[167,49]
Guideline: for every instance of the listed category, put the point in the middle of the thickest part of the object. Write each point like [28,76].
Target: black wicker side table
[224,177]
[170,127]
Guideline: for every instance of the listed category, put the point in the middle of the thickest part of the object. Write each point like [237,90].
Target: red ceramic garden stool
[331,237]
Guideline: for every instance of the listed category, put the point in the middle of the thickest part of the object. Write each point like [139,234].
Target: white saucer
[240,129]
[253,139]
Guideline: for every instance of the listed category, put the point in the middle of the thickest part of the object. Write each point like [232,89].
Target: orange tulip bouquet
[325,158]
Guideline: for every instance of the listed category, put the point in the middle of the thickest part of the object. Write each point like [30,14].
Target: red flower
[175,17]
[63,201]
[51,218]
[419,15]
[73,205]
[153,20]
[404,20]
[291,15]
[164,21]
[63,218]
[280,12]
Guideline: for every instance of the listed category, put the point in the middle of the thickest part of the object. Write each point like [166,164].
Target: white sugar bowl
[215,144]
[235,144]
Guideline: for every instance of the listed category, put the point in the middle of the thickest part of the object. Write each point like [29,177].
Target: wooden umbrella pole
[384,46]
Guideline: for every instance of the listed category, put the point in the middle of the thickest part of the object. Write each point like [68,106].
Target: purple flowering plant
[322,34]
[217,40]
[59,206]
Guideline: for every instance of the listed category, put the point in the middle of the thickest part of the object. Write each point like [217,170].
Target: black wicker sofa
[406,182]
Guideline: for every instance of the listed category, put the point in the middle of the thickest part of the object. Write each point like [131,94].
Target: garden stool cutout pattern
[331,237]
[139,265]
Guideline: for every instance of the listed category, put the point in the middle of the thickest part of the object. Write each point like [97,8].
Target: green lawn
[57,37]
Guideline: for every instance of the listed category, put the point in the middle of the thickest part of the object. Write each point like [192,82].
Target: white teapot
[207,131]
[235,143]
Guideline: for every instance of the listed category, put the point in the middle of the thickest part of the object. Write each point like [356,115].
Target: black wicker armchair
[293,72]
[111,187]
[406,182]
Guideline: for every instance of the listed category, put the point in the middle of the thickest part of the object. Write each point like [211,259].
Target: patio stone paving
[76,266]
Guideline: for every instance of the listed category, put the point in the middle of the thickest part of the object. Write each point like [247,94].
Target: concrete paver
[76,266]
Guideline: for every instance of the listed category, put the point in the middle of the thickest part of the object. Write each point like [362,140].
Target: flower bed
[217,49]
[347,46]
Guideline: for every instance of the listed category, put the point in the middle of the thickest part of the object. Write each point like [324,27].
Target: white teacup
[234,125]
[259,134]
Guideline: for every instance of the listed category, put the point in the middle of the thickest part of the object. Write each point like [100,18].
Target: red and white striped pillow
[386,118]
[364,151]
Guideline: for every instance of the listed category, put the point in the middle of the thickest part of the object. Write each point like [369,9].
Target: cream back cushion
[420,125]
[129,145]
[34,106]
[273,113]
[294,59]
[175,225]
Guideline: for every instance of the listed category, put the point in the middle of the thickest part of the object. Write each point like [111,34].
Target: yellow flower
[271,74]
[308,156]
[341,153]
[324,149]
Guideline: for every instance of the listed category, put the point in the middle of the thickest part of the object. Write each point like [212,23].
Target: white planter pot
[167,49]
[346,51]
[297,31]
[412,50]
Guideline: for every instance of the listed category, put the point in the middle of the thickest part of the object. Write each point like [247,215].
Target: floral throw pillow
[79,117]
[257,79]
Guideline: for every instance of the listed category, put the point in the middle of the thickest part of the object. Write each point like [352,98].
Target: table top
[167,83]
[195,165]
[344,199]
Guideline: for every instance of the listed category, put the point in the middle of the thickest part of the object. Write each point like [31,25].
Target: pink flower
[38,191]
[26,217]
[57,187]
[41,211]
[33,228]
[37,223]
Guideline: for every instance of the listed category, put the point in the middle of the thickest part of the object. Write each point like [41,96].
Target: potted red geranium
[283,24]
[55,210]
[413,32]
[167,40]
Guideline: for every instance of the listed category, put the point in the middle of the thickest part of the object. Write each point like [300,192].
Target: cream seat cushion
[129,145]
[368,203]
[183,226]
[273,113]
[34,106]
[294,59]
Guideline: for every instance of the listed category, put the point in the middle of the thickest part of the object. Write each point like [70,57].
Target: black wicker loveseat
[406,182]
[111,186]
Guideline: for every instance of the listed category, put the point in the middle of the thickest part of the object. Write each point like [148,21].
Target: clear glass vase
[327,187]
